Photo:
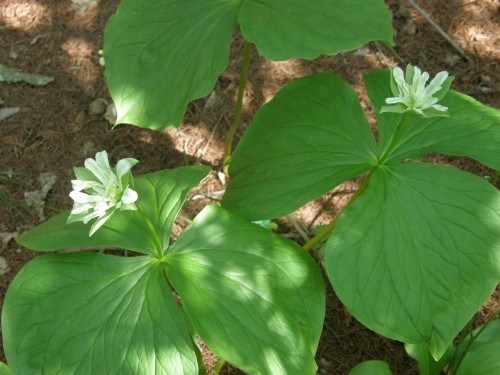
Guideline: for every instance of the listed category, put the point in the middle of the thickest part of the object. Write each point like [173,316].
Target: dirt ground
[55,128]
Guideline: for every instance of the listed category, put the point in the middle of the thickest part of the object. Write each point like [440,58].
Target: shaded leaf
[482,356]
[418,253]
[161,55]
[89,313]
[311,137]
[256,299]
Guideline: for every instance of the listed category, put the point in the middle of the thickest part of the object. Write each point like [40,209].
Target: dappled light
[400,211]
[25,16]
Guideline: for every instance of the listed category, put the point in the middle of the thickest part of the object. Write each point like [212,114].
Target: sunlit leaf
[472,129]
[256,299]
[418,253]
[160,55]
[88,313]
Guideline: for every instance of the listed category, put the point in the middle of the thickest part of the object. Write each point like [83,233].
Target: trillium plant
[413,255]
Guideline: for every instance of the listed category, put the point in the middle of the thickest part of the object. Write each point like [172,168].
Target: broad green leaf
[256,299]
[161,195]
[418,253]
[311,137]
[472,129]
[89,313]
[160,55]
[482,357]
[283,29]
[165,192]
[125,229]
[427,365]
[372,368]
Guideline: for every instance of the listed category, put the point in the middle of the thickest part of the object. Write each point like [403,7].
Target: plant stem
[218,365]
[402,127]
[239,106]
[325,232]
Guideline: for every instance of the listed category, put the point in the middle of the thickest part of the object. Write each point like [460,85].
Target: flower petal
[124,166]
[437,82]
[100,222]
[129,196]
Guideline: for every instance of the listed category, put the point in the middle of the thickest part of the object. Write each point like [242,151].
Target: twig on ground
[298,227]
[439,29]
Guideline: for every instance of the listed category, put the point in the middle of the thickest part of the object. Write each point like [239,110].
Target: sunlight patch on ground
[24,15]
[82,58]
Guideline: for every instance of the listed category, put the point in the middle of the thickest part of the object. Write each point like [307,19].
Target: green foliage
[477,354]
[165,191]
[249,292]
[161,55]
[419,263]
[4,369]
[251,295]
[472,129]
[311,137]
[413,256]
[481,356]
[417,252]
[83,312]
[427,365]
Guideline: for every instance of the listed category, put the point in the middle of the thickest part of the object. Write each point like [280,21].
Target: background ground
[55,129]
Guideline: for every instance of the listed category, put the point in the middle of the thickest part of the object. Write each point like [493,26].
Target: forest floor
[60,124]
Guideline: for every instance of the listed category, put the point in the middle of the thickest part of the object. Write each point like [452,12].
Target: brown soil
[54,129]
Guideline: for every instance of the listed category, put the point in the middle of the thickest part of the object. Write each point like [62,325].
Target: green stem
[325,232]
[401,130]
[239,106]
[218,366]
[159,247]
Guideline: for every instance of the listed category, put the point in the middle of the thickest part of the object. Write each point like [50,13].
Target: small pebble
[97,107]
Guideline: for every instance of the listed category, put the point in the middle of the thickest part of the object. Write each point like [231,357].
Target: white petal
[102,160]
[129,196]
[124,166]
[394,100]
[79,208]
[80,197]
[79,185]
[440,107]
[102,174]
[437,82]
[399,77]
[99,223]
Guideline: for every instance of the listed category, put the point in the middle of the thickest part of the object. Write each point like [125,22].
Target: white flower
[412,94]
[101,190]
